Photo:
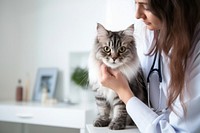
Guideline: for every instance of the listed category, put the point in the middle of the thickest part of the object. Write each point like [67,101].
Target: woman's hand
[116,81]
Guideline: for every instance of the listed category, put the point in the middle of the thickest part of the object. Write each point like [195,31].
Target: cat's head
[115,48]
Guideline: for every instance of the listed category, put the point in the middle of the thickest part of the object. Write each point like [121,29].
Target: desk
[129,129]
[59,115]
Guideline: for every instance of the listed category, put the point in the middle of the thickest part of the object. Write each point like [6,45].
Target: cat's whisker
[130,70]
[84,78]
[124,70]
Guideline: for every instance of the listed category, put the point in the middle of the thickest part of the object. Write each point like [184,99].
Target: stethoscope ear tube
[158,70]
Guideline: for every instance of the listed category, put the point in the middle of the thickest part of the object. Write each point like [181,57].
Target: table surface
[129,129]
[80,106]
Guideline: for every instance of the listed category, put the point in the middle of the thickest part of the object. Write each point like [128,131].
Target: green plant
[80,77]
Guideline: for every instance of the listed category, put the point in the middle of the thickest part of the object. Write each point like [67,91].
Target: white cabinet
[59,115]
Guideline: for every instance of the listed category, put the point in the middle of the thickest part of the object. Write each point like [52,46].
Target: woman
[174,92]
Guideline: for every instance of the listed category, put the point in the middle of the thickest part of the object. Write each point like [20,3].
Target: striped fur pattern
[117,50]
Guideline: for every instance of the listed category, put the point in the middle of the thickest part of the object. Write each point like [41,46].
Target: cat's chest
[106,93]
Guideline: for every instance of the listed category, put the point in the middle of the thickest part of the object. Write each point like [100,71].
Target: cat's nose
[114,55]
[114,58]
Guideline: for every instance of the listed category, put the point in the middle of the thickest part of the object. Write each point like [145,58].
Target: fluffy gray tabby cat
[116,50]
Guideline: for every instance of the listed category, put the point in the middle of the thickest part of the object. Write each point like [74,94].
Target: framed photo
[46,78]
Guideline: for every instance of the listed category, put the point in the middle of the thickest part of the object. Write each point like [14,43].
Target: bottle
[19,91]
[44,95]
[27,89]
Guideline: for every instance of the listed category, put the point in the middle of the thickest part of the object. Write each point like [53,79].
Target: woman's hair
[179,19]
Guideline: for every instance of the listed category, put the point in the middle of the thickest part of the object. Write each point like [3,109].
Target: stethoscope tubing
[158,71]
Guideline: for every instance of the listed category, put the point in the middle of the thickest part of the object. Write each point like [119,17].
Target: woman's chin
[151,27]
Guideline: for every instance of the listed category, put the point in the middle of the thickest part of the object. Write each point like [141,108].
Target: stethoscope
[158,71]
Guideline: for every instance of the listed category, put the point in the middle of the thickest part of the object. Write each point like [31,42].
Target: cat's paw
[117,126]
[101,123]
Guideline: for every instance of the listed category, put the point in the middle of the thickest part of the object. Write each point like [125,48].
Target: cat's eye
[106,49]
[122,49]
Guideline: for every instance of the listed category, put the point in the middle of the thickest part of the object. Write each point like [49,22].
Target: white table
[129,129]
[59,115]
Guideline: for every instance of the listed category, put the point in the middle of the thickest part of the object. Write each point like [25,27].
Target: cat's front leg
[103,118]
[119,115]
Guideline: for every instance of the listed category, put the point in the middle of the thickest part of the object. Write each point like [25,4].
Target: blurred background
[52,33]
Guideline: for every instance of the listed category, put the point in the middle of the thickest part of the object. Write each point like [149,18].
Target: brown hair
[179,19]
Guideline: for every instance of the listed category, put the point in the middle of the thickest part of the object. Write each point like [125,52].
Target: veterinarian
[170,60]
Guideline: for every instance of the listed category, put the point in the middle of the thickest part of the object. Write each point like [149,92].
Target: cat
[116,50]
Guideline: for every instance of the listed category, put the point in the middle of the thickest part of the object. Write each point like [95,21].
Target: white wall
[119,14]
[41,33]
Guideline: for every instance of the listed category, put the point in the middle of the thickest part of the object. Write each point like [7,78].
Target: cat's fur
[118,51]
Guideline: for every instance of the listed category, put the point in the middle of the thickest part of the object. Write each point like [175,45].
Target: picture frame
[46,77]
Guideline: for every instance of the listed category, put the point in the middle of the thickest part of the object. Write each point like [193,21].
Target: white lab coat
[168,122]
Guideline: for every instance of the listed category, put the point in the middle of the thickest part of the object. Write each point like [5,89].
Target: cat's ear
[129,31]
[102,33]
